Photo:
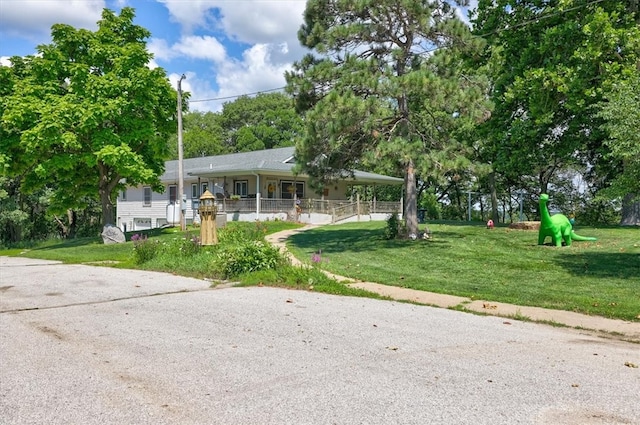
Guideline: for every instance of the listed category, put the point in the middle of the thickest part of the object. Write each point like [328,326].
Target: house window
[242,188]
[194,191]
[205,186]
[123,195]
[173,194]
[289,188]
[146,196]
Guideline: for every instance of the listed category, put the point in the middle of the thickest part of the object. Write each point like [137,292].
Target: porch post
[374,198]
[258,196]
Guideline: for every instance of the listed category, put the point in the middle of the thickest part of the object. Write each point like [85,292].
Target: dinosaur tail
[576,237]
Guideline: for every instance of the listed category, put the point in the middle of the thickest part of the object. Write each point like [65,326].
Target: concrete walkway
[615,328]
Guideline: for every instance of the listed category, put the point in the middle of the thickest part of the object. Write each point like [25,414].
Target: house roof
[276,162]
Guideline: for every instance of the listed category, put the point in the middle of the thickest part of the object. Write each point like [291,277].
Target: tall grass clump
[179,254]
[309,278]
[144,249]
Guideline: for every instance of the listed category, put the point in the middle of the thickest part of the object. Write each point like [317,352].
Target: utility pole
[183,225]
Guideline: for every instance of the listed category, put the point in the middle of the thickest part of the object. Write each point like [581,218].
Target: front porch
[312,211]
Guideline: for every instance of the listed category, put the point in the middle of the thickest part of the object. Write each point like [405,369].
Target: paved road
[90,345]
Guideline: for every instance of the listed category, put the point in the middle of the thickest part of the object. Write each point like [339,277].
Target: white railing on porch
[307,205]
[337,209]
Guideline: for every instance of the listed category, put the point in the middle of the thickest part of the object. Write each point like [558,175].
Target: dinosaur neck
[545,217]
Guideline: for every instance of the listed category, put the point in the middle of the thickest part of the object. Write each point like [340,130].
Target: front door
[272,185]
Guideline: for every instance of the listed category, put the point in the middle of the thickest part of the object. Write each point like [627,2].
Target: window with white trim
[194,191]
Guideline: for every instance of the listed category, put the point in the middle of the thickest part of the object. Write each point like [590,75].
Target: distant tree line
[265,121]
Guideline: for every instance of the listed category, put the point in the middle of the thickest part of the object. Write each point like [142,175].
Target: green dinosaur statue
[557,226]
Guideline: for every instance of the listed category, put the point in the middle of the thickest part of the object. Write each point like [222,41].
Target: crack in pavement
[111,300]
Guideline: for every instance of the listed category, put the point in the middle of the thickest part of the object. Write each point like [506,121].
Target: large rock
[112,234]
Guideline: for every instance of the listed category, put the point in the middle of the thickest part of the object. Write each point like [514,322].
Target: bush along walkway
[629,331]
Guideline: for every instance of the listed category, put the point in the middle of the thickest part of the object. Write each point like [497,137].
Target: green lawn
[599,278]
[93,250]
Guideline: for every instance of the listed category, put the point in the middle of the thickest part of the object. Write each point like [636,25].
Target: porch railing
[384,206]
[338,209]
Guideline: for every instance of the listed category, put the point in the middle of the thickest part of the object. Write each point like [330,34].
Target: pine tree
[387,85]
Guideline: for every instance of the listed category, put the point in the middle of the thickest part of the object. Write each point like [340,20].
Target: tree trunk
[72,218]
[106,185]
[411,205]
[545,177]
[459,208]
[630,210]
[494,197]
[64,231]
[107,207]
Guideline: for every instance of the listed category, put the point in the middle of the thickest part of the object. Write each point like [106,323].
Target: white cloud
[268,27]
[32,19]
[270,21]
[160,49]
[4,61]
[190,14]
[192,47]
[254,73]
[200,47]
[248,21]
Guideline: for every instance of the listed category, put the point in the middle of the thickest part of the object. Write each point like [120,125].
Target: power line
[237,95]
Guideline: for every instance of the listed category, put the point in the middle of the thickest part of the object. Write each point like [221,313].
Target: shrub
[248,257]
[393,227]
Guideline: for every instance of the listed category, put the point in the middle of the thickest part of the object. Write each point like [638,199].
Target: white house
[258,185]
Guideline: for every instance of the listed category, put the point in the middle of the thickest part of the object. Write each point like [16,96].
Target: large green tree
[551,63]
[202,135]
[265,121]
[87,114]
[621,112]
[386,86]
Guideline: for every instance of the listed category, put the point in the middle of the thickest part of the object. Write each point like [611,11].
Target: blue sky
[224,47]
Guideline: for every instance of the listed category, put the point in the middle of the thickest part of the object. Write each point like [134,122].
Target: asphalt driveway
[94,345]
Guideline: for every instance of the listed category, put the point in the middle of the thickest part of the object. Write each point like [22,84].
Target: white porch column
[257,196]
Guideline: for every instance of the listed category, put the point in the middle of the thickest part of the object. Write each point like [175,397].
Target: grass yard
[175,252]
[93,250]
[599,278]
